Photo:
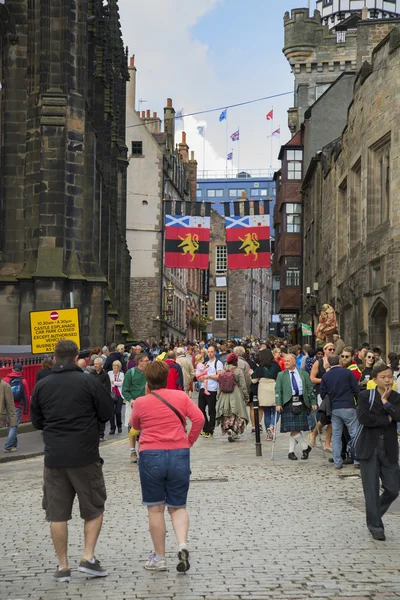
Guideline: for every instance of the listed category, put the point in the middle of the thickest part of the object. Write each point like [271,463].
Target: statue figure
[327,324]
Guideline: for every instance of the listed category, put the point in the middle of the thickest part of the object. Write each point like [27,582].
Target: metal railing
[234,174]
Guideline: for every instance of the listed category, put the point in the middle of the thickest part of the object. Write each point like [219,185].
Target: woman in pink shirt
[164,463]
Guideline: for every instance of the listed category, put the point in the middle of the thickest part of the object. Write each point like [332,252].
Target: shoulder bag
[178,414]
[266,390]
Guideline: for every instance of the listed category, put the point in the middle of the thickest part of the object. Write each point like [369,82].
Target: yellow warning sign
[50,326]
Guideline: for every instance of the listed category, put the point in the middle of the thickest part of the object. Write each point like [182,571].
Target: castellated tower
[317,57]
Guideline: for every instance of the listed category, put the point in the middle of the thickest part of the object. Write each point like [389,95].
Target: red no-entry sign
[54,316]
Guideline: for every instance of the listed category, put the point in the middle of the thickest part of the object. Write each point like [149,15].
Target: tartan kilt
[291,422]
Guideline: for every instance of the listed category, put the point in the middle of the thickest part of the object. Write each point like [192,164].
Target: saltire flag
[222,116]
[248,242]
[270,116]
[179,115]
[201,130]
[235,136]
[276,133]
[230,156]
[187,242]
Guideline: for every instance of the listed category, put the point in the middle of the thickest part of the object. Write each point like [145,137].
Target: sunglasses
[345,356]
[331,349]
[371,357]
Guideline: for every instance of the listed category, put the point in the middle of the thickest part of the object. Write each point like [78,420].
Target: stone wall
[352,209]
[63,169]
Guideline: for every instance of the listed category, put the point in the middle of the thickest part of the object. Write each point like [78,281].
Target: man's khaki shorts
[62,485]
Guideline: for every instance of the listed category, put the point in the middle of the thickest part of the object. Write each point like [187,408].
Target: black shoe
[306,453]
[183,564]
[292,456]
[95,569]
[348,461]
[63,576]
[112,432]
[330,460]
[119,429]
[378,535]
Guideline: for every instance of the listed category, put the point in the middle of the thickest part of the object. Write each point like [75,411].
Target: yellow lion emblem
[189,245]
[250,244]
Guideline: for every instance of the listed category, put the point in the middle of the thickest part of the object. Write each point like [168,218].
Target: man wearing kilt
[294,400]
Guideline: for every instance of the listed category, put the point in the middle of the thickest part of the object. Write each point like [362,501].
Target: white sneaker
[155,565]
[230,435]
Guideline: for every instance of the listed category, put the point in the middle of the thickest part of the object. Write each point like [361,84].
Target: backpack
[17,388]
[226,382]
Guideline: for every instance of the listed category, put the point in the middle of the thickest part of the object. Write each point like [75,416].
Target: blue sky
[210,53]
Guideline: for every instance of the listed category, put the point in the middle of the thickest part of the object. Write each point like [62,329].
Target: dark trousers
[375,467]
[117,414]
[210,402]
[102,428]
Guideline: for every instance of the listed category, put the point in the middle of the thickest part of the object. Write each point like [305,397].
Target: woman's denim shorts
[165,477]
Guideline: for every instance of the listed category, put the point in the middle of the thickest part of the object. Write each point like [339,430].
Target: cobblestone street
[259,530]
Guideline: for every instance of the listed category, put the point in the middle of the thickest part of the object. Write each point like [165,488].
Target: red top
[8,378]
[160,428]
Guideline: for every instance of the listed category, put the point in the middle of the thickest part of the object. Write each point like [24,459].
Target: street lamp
[312,304]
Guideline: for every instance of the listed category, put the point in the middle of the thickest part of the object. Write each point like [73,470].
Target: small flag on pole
[306,330]
[235,136]
[222,116]
[179,115]
[201,130]
[276,133]
[230,156]
[270,115]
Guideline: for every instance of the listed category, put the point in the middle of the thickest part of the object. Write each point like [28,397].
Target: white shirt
[213,367]
[299,382]
[117,381]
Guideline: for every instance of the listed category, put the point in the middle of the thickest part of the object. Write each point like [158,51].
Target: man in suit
[342,388]
[377,447]
[294,398]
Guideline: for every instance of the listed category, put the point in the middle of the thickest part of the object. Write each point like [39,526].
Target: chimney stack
[184,148]
[169,125]
[131,91]
[364,13]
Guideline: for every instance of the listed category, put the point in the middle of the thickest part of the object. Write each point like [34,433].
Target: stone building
[351,202]
[239,302]
[159,171]
[63,165]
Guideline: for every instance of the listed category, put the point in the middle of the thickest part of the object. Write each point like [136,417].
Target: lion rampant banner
[248,242]
[187,242]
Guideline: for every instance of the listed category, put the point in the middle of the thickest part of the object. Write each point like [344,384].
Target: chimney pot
[364,13]
[132,61]
[148,114]
[192,155]
[183,137]
[154,115]
[143,114]
[169,102]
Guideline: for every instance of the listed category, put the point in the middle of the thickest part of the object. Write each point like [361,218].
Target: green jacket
[134,384]
[283,389]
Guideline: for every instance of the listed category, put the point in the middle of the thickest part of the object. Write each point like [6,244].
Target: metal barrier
[29,373]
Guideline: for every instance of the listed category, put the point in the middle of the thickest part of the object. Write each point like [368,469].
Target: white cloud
[206,155]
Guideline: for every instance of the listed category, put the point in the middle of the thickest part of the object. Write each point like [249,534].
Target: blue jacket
[341,387]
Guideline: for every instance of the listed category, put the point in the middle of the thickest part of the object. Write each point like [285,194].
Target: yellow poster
[50,326]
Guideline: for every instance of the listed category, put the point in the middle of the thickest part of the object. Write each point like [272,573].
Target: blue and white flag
[201,130]
[235,136]
[230,156]
[222,116]
[179,115]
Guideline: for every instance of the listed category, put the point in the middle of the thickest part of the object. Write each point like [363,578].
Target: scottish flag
[222,116]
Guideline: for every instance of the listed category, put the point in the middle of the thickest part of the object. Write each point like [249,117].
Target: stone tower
[63,163]
[339,37]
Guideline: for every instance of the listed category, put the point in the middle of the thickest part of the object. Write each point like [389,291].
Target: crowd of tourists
[352,396]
